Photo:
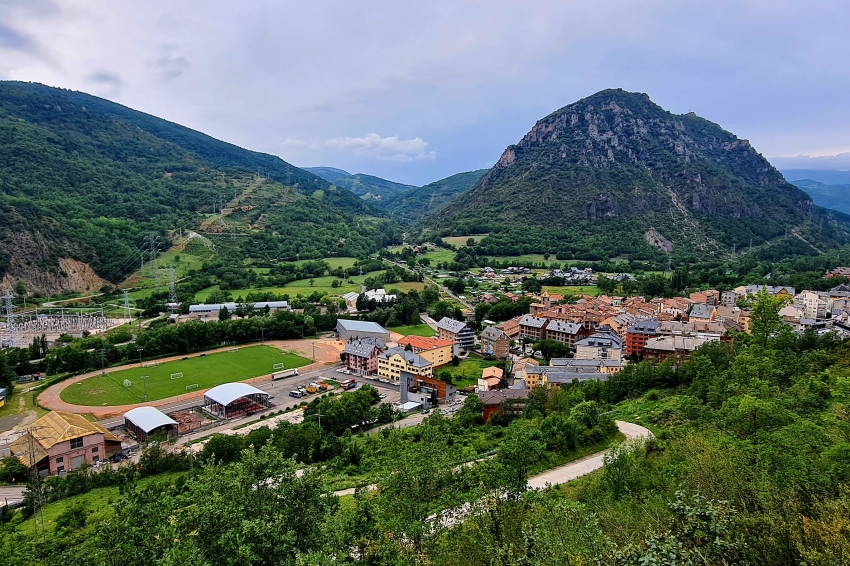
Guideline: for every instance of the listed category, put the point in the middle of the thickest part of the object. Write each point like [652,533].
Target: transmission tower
[10,317]
[172,291]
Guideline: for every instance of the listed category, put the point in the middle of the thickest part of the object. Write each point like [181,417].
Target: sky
[417,91]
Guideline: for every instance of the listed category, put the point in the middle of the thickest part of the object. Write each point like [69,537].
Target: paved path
[585,465]
[12,494]
[327,352]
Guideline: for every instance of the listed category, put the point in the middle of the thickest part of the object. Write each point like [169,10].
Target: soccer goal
[150,364]
[128,384]
[232,350]
[190,387]
[278,367]
[177,375]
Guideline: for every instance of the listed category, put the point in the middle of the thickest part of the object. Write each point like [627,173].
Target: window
[60,469]
[60,459]
[93,450]
[76,443]
[95,459]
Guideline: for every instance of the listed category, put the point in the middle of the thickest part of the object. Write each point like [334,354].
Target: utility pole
[102,361]
[39,503]
[144,379]
[140,355]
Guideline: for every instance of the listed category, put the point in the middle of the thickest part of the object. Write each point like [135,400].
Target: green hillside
[367,187]
[616,174]
[86,179]
[834,196]
[413,205]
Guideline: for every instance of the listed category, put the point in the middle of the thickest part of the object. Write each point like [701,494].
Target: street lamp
[140,355]
[144,379]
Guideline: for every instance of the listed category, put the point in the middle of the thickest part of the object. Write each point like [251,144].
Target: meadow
[301,287]
[205,371]
[592,290]
[414,330]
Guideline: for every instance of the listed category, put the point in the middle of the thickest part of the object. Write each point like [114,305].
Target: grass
[536,258]
[13,404]
[408,286]
[333,262]
[460,241]
[468,371]
[96,500]
[206,371]
[439,255]
[572,290]
[300,287]
[414,330]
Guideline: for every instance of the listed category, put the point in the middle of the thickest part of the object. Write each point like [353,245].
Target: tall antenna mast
[172,291]
[127,305]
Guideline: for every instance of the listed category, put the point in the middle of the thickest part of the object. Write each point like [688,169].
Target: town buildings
[436,350]
[396,360]
[495,342]
[600,346]
[361,355]
[357,329]
[638,334]
[457,331]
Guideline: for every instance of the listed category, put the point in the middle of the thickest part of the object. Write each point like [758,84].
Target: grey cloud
[106,78]
[170,63]
[16,41]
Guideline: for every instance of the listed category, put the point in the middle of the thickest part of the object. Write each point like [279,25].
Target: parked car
[382,396]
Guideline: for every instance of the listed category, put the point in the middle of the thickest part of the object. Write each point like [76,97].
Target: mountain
[329,174]
[411,206]
[367,187]
[827,176]
[833,196]
[83,181]
[615,174]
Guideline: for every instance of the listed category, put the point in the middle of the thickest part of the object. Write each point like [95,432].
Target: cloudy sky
[418,91]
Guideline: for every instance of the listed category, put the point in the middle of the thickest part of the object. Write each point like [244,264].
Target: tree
[224,314]
[471,413]
[764,319]
[532,285]
[20,288]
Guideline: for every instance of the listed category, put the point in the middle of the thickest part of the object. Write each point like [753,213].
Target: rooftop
[148,418]
[451,325]
[361,326]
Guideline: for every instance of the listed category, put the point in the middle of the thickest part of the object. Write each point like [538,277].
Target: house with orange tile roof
[438,351]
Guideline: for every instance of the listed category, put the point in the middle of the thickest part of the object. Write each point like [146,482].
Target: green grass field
[334,262]
[206,371]
[468,371]
[439,255]
[302,287]
[592,290]
[460,241]
[536,258]
[407,286]
[415,330]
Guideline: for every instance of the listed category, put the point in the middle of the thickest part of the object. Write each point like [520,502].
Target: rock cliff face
[617,164]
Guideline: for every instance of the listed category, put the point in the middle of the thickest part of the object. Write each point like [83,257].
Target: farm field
[460,241]
[572,290]
[205,371]
[333,262]
[302,286]
[439,255]
[536,258]
[415,330]
[407,286]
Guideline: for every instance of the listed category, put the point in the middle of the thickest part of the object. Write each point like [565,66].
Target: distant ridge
[412,205]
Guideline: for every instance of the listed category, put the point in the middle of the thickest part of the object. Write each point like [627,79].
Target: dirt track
[327,352]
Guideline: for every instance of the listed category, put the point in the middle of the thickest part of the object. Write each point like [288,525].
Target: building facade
[457,331]
[396,360]
[495,342]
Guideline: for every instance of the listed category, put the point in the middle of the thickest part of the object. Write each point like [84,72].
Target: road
[11,494]
[585,465]
[439,285]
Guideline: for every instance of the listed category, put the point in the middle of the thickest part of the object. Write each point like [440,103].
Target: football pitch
[125,387]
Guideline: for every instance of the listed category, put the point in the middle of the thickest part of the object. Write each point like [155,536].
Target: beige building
[392,362]
[436,350]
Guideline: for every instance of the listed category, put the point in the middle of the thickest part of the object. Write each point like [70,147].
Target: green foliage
[411,205]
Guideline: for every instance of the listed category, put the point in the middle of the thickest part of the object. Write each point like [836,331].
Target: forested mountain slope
[367,187]
[616,174]
[834,196]
[412,205]
[86,179]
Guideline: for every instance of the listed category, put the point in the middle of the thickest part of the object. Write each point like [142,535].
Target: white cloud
[390,148]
